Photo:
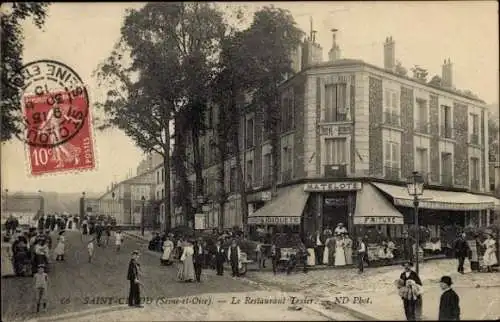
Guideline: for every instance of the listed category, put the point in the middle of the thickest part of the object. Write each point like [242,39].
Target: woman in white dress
[348,249]
[59,250]
[186,270]
[168,247]
[7,255]
[489,257]
[339,252]
[326,251]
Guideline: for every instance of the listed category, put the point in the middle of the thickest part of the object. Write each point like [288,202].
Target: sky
[81,35]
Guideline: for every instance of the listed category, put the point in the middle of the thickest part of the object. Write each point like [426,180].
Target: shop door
[335,210]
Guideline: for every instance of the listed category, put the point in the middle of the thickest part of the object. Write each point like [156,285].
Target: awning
[372,208]
[435,199]
[285,209]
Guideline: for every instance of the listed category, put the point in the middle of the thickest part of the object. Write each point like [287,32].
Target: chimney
[447,76]
[334,53]
[389,54]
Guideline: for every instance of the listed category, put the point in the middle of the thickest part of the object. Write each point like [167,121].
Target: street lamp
[415,187]
[6,199]
[142,215]
[199,200]
[82,206]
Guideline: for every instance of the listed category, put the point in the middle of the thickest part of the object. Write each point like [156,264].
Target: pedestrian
[318,248]
[413,301]
[118,240]
[134,295]
[198,258]
[490,257]
[449,305]
[41,284]
[473,254]
[348,249]
[90,249]
[234,256]
[275,256]
[107,235]
[339,259]
[186,270]
[220,258]
[7,257]
[168,247]
[59,251]
[361,254]
[461,251]
[85,224]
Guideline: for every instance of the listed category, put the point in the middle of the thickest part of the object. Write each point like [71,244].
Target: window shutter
[387,156]
[395,101]
[387,99]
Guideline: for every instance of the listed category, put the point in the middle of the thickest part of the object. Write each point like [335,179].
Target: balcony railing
[474,138]
[391,118]
[447,132]
[286,175]
[474,184]
[391,173]
[447,180]
[422,127]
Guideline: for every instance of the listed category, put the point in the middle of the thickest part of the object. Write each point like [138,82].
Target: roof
[351,62]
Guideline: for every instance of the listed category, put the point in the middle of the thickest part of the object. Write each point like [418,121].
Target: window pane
[328,102]
[387,98]
[395,154]
[387,153]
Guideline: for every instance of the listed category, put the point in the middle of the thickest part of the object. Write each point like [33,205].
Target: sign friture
[378,220]
[333,186]
[335,130]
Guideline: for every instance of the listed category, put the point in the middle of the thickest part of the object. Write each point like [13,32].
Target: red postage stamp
[59,132]
[57,119]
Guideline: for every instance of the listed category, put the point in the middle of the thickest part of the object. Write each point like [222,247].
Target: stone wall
[461,155]
[375,132]
[407,151]
[434,130]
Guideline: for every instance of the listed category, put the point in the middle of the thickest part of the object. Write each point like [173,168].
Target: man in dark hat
[198,258]
[134,295]
[449,305]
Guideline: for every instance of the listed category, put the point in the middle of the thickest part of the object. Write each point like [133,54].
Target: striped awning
[440,200]
[285,209]
[372,208]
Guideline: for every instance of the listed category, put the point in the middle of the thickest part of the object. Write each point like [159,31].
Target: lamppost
[143,200]
[415,187]
[82,206]
[113,204]
[199,206]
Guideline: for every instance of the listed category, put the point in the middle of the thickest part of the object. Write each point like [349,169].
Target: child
[118,240]
[90,248]
[41,283]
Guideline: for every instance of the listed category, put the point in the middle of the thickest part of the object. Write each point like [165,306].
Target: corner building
[351,135]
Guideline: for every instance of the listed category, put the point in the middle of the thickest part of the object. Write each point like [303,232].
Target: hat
[135,252]
[41,266]
[409,263]
[446,280]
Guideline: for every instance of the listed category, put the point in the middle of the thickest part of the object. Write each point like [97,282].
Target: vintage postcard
[234,161]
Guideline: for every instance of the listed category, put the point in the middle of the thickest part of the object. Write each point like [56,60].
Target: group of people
[410,289]
[472,249]
[333,249]
[22,253]
[54,222]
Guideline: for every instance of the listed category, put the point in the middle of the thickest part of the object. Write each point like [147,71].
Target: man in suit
[412,307]
[134,295]
[198,258]
[449,305]
[461,251]
[233,255]
[220,258]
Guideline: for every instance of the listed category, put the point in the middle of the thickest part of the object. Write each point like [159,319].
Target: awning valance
[285,209]
[441,200]
[372,208]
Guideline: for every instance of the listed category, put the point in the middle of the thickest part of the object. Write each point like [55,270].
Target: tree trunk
[221,177]
[167,209]
[241,182]
[198,163]
[182,191]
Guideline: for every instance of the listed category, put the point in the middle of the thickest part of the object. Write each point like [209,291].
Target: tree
[419,73]
[435,81]
[400,70]
[270,41]
[172,47]
[11,51]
